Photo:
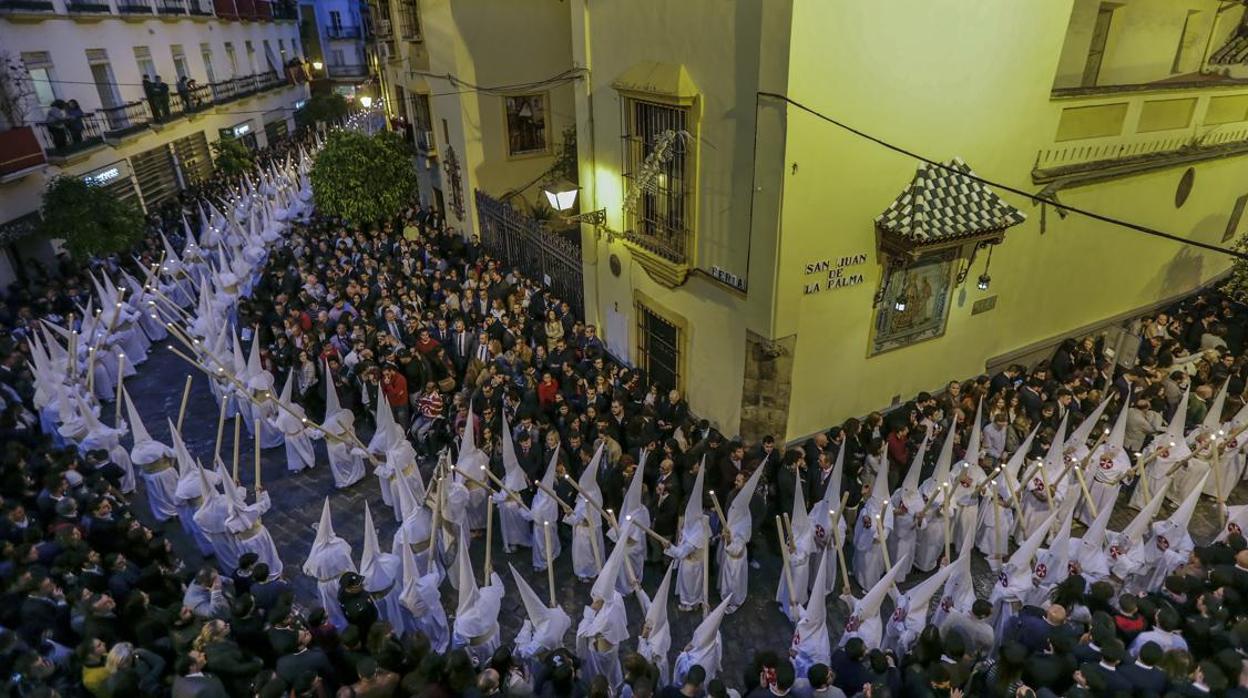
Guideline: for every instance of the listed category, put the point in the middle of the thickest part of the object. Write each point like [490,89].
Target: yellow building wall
[1143,39]
[953,96]
[479,43]
[736,49]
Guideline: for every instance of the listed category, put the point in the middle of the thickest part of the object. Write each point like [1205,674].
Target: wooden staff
[839,543]
[71,362]
[593,544]
[550,564]
[121,363]
[90,373]
[186,395]
[706,567]
[489,539]
[589,500]
[723,520]
[551,493]
[787,559]
[948,546]
[256,449]
[1044,479]
[996,522]
[216,449]
[879,536]
[238,422]
[989,479]
[788,528]
[648,531]
[1217,481]
[511,494]
[1087,494]
[437,515]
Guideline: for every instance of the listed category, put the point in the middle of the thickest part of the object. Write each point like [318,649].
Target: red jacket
[395,389]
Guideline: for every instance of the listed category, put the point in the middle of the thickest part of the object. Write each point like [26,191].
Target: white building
[233,53]
[334,33]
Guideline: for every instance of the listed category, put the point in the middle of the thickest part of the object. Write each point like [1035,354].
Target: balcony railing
[172,7]
[283,9]
[72,135]
[246,8]
[346,70]
[264,10]
[126,119]
[27,6]
[244,86]
[341,32]
[88,8]
[134,7]
[225,9]
[425,142]
[1139,127]
[201,8]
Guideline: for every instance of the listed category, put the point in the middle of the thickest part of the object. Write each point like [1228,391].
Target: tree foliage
[89,219]
[328,107]
[1236,285]
[363,178]
[232,158]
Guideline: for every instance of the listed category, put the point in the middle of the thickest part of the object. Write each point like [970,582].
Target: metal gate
[524,243]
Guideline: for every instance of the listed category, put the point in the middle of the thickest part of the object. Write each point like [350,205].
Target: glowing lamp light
[561,195]
[899,305]
[366,102]
[317,65]
[984,281]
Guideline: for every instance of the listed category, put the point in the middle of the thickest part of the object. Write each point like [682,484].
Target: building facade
[484,89]
[229,68]
[771,248]
[335,34]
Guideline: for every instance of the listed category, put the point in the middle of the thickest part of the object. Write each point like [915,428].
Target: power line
[1005,187]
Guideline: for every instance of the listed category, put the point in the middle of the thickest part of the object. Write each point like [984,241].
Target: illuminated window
[660,215]
[527,127]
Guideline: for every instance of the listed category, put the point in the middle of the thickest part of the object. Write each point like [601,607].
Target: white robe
[709,658]
[632,572]
[993,542]
[598,638]
[299,452]
[869,564]
[734,569]
[586,539]
[326,566]
[422,599]
[210,518]
[263,417]
[517,533]
[161,488]
[542,509]
[250,534]
[904,538]
[346,462]
[691,552]
[930,538]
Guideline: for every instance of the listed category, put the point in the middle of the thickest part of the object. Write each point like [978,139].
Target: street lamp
[366,102]
[561,195]
[317,65]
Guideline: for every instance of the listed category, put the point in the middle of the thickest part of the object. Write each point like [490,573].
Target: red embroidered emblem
[853,624]
[1114,551]
[1163,543]
[1003,578]
[1042,570]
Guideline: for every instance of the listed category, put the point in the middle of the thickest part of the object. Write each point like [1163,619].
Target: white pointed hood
[1213,418]
[879,489]
[331,393]
[973,442]
[869,605]
[1078,439]
[1052,564]
[913,475]
[739,519]
[656,612]
[468,590]
[706,635]
[513,474]
[1094,537]
[1055,457]
[1134,531]
[477,610]
[588,482]
[1236,518]
[146,450]
[330,555]
[1014,465]
[604,583]
[958,592]
[814,618]
[376,566]
[915,600]
[549,624]
[1021,558]
[1173,442]
[944,462]
[693,507]
[1179,520]
[632,496]
[387,433]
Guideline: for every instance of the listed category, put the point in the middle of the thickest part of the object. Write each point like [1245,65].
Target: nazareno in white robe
[690,552]
[516,531]
[930,536]
[250,534]
[586,534]
[543,509]
[346,462]
[868,552]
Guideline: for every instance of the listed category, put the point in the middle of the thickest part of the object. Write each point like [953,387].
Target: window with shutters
[143,56]
[194,158]
[156,174]
[42,78]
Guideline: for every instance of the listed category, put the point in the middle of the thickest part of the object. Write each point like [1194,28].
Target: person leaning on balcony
[184,92]
[57,124]
[74,120]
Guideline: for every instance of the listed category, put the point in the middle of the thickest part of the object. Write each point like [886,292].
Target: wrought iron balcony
[18,6]
[172,7]
[83,7]
[134,7]
[126,118]
[343,32]
[71,135]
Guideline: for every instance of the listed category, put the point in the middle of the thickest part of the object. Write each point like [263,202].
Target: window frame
[546,126]
[691,106]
